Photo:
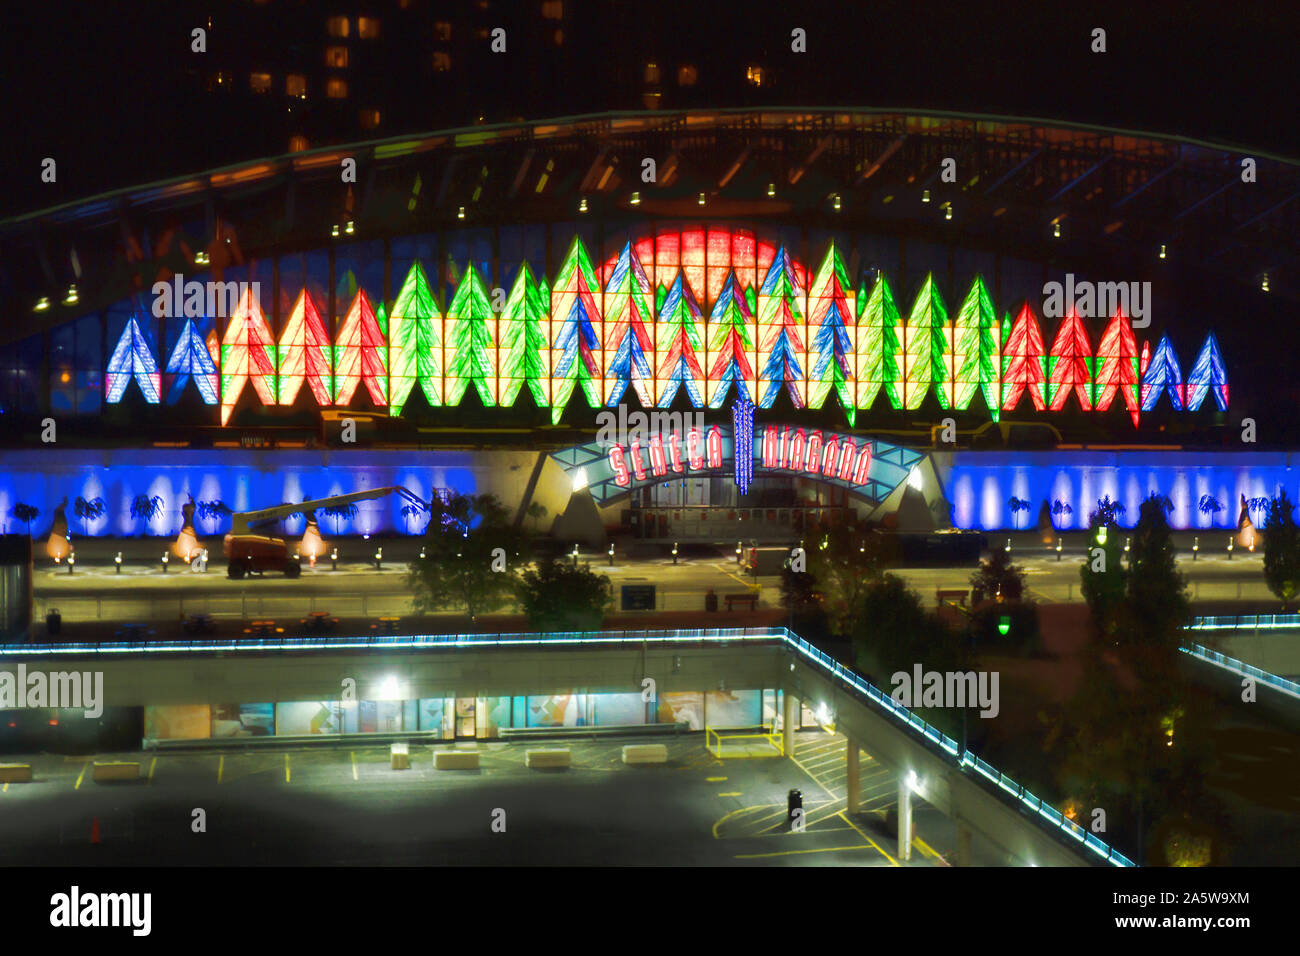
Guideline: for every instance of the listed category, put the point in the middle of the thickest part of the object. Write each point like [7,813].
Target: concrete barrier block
[545,759]
[455,760]
[645,753]
[15,773]
[400,756]
[116,770]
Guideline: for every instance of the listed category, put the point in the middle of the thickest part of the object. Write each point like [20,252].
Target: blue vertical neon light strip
[742,428]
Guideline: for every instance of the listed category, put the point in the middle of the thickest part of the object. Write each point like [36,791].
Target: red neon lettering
[829,457]
[715,447]
[675,451]
[796,450]
[814,452]
[619,464]
[771,458]
[846,463]
[694,451]
[638,469]
[864,465]
[658,464]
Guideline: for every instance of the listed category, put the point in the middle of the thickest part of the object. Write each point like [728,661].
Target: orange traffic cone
[94,830]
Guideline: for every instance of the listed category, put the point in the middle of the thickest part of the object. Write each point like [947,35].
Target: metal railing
[1288,687]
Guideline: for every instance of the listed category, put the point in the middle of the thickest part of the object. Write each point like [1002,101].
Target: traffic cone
[94,830]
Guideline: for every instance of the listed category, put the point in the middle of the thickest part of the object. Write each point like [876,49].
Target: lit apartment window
[367,28]
[442,31]
[295,84]
[336,89]
[755,75]
[219,81]
[553,10]
[652,72]
[687,75]
[369,119]
[441,62]
[259,82]
[337,26]
[558,37]
[297,143]
[336,57]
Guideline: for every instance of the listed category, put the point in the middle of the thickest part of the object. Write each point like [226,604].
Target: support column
[854,796]
[904,820]
[787,724]
[963,845]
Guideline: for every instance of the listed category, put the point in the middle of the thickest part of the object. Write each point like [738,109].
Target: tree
[1158,608]
[1103,576]
[89,511]
[346,511]
[998,577]
[536,511]
[213,510]
[556,596]
[146,507]
[844,557]
[1282,549]
[472,553]
[25,513]
[1017,505]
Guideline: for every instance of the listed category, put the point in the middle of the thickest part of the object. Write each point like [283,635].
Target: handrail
[1281,684]
[931,737]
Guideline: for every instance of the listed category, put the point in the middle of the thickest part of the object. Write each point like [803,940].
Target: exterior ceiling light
[348,228]
[460,213]
[636,199]
[835,202]
[1263,283]
[582,204]
[771,190]
[201,259]
[947,210]
[42,304]
[701,200]
[71,297]
[925,195]
[1056,230]
[334,230]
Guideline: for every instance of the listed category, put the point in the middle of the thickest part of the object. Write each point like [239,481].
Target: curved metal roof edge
[654,114]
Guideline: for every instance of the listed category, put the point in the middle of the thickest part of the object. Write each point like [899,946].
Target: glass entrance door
[465,725]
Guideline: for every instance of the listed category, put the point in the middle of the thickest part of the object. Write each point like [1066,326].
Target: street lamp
[575,555]
[334,559]
[1008,548]
[118,561]
[379,559]
[674,554]
[1196,546]
[1058,549]
[738,550]
[72,560]
[1229,547]
[611,554]
[164,562]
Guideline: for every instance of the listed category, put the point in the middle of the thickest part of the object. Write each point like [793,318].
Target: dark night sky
[108,88]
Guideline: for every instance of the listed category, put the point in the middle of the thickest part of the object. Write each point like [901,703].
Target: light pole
[379,559]
[334,559]
[164,562]
[611,554]
[1196,546]
[1058,549]
[1229,547]
[674,554]
[575,556]
[118,561]
[72,560]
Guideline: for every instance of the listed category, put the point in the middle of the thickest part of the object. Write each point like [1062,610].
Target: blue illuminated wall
[980,484]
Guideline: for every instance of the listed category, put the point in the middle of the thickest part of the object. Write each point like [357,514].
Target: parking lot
[344,805]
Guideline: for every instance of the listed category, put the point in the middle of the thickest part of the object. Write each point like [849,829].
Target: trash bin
[711,600]
[793,802]
[53,621]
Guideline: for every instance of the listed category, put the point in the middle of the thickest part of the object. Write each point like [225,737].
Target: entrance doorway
[465,723]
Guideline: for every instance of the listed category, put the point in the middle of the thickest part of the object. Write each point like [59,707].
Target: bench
[546,759]
[15,773]
[400,756]
[645,753]
[455,760]
[116,770]
[951,594]
[734,599]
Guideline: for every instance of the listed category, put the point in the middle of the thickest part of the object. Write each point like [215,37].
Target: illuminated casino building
[800,308]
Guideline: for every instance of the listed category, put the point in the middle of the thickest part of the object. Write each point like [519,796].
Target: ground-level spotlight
[379,559]
[72,561]
[1196,546]
[1229,547]
[611,555]
[164,562]
[118,561]
[1058,549]
[334,559]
